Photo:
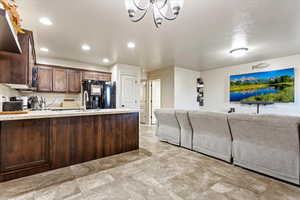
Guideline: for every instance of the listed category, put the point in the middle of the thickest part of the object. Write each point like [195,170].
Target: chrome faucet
[85,99]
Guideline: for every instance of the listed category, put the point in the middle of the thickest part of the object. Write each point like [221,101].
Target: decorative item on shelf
[232,110]
[162,9]
[200,91]
[11,7]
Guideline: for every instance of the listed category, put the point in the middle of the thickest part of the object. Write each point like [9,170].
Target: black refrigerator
[109,95]
[101,94]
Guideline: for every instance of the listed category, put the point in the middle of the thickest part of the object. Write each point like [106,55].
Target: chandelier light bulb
[157,16]
[131,8]
[176,6]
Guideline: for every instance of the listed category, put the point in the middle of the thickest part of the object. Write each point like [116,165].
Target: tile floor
[157,171]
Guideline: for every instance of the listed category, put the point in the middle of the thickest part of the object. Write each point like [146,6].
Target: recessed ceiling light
[46,21]
[44,49]
[85,47]
[239,52]
[130,45]
[105,60]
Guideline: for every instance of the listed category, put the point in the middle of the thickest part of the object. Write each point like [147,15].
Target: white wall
[6,91]
[216,83]
[72,64]
[185,89]
[166,76]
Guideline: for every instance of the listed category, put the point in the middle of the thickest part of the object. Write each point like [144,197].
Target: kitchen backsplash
[52,99]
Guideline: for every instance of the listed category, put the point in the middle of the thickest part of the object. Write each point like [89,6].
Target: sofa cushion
[211,134]
[267,143]
[186,132]
[168,129]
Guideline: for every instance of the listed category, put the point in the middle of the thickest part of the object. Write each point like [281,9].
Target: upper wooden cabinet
[88,75]
[101,76]
[60,80]
[74,81]
[45,79]
[17,68]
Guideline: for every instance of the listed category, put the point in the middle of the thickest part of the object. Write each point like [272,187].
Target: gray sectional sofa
[268,144]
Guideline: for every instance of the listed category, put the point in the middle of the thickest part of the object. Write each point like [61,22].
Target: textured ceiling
[199,39]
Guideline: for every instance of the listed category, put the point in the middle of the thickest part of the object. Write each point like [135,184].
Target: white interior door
[129,91]
[155,98]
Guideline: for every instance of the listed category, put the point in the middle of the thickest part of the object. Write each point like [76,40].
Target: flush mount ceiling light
[239,52]
[130,45]
[44,49]
[105,60]
[46,21]
[85,47]
[162,9]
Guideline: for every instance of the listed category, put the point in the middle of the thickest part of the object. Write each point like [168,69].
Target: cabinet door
[60,80]
[130,132]
[62,131]
[107,77]
[112,134]
[89,76]
[14,68]
[87,141]
[45,79]
[24,144]
[74,81]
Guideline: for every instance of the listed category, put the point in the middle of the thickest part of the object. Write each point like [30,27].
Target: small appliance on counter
[2,100]
[9,106]
[99,94]
[36,103]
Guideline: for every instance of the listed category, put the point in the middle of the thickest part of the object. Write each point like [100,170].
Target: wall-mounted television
[276,86]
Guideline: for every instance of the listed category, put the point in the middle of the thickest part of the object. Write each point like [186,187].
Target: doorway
[154,99]
[143,102]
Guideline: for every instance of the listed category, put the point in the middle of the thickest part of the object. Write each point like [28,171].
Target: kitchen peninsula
[44,140]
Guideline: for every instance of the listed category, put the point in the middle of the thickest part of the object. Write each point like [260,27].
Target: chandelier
[162,9]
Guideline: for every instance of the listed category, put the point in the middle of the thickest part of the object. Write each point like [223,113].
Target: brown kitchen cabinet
[87,75]
[60,80]
[24,147]
[65,80]
[74,81]
[44,79]
[99,76]
[17,68]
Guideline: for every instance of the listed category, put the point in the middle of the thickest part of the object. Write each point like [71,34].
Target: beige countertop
[65,113]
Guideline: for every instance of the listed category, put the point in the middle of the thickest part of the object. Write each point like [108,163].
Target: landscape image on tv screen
[271,86]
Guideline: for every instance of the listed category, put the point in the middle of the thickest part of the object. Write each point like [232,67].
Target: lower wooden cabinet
[32,146]
[24,145]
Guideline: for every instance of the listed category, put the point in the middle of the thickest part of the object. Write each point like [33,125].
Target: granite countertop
[65,113]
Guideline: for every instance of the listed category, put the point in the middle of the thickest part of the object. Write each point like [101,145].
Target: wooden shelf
[9,38]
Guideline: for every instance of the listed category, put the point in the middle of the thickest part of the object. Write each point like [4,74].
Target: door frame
[150,100]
